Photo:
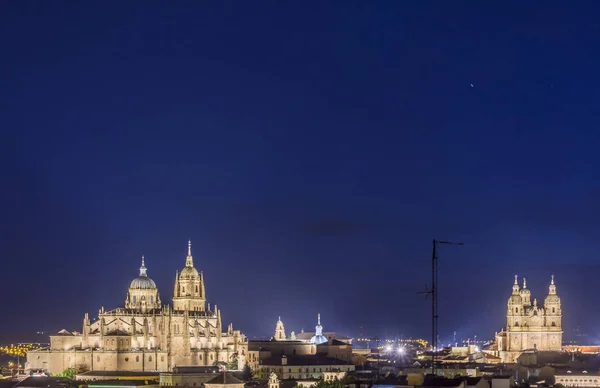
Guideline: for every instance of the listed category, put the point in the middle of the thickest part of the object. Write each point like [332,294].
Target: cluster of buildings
[146,335]
[185,344]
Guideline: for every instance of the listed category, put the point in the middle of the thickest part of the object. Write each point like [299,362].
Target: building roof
[128,383]
[300,360]
[44,382]
[306,335]
[117,373]
[225,379]
[195,369]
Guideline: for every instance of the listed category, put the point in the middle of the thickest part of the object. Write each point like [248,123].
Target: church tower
[516,308]
[189,294]
[529,326]
[279,331]
[553,309]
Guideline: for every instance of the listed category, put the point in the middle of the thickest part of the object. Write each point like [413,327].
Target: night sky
[310,150]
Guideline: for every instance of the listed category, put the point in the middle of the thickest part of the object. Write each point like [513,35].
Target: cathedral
[529,326]
[146,335]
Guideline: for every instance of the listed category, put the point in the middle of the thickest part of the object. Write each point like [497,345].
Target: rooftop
[225,379]
[312,359]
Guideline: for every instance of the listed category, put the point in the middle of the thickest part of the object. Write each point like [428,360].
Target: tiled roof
[225,379]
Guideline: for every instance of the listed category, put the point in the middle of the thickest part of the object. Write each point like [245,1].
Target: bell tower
[279,331]
[189,291]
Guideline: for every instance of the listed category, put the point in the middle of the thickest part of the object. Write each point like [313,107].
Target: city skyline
[444,338]
[311,152]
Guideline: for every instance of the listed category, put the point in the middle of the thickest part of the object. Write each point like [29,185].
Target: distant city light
[388,348]
[401,350]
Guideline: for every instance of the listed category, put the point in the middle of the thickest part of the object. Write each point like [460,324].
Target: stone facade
[146,336]
[529,326]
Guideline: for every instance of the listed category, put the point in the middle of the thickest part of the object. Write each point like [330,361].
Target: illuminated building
[145,335]
[529,326]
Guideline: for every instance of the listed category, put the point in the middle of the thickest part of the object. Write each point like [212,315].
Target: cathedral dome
[189,272]
[143,281]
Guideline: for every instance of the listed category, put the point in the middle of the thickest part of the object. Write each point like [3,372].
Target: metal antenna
[433,291]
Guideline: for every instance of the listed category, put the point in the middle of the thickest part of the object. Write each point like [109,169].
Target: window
[517,310]
[553,324]
[553,310]
[126,359]
[151,299]
[150,358]
[137,358]
[143,298]
[134,299]
[182,289]
[162,358]
[516,324]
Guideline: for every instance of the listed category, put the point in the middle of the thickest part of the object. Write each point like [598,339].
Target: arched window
[196,289]
[137,358]
[151,299]
[134,299]
[553,310]
[516,324]
[553,324]
[516,310]
[149,358]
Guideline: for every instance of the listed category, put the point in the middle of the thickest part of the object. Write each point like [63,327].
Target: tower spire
[516,285]
[189,261]
[524,283]
[552,287]
[143,268]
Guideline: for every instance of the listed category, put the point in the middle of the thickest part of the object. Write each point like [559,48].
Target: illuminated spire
[524,283]
[189,261]
[143,268]
[552,287]
[319,319]
[516,285]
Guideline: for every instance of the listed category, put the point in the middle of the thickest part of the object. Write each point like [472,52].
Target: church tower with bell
[188,293]
[529,326]
[279,331]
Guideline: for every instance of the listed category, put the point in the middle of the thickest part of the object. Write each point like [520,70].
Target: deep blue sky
[310,152]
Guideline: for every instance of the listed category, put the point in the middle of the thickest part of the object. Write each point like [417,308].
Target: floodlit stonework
[529,326]
[145,335]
